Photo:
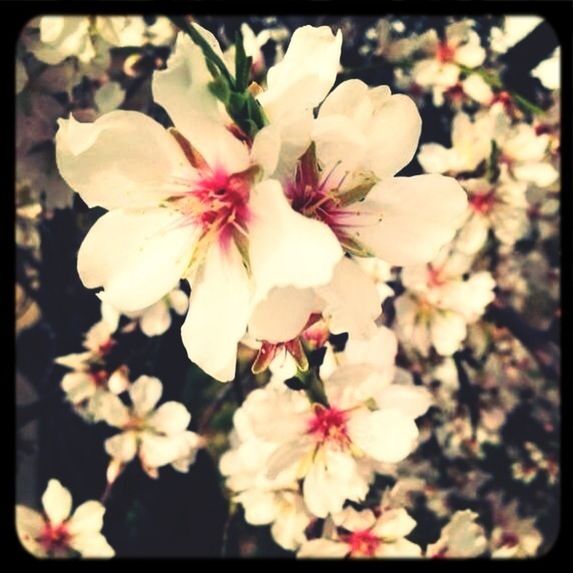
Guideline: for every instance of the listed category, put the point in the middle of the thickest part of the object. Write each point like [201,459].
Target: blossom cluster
[251,204]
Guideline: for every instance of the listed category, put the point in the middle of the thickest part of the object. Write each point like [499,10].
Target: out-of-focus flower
[439,303]
[361,534]
[57,533]
[549,71]
[462,537]
[158,436]
[154,320]
[109,97]
[91,379]
[513,30]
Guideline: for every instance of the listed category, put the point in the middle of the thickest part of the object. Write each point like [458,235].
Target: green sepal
[354,247]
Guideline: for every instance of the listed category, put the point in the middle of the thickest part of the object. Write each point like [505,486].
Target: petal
[378,351]
[471,54]
[122,446]
[137,256]
[145,393]
[393,524]
[260,508]
[406,220]
[29,525]
[541,174]
[156,451]
[88,518]
[92,545]
[156,320]
[353,520]
[112,410]
[394,136]
[385,435]
[434,158]
[351,301]
[186,79]
[298,82]
[57,502]
[219,308]
[413,401]
[170,418]
[399,548]
[78,386]
[123,159]
[286,248]
[448,331]
[282,315]
[178,301]
[323,548]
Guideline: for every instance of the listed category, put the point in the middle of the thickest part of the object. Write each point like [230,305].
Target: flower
[54,533]
[365,534]
[549,71]
[191,203]
[460,538]
[158,436]
[439,304]
[91,378]
[333,446]
[154,320]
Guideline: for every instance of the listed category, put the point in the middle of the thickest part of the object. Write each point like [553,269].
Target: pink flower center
[482,203]
[99,376]
[54,538]
[362,543]
[434,278]
[217,202]
[445,52]
[509,539]
[329,425]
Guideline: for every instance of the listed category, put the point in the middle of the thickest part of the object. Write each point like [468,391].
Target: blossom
[91,378]
[191,203]
[366,534]
[461,48]
[333,446]
[58,533]
[158,436]
[549,71]
[462,537]
[513,30]
[153,320]
[439,303]
[501,207]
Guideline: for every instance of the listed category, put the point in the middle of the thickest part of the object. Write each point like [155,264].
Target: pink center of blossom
[362,543]
[455,92]
[445,52]
[329,425]
[105,347]
[482,203]
[218,202]
[99,376]
[509,539]
[504,98]
[54,538]
[434,278]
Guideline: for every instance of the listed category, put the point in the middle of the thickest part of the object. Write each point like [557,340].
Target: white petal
[219,308]
[318,548]
[434,158]
[541,174]
[393,524]
[413,401]
[282,315]
[88,518]
[351,301]
[286,248]
[112,410]
[57,502]
[411,218]
[145,393]
[260,507]
[156,320]
[353,520]
[299,82]
[123,159]
[137,256]
[385,435]
[378,351]
[170,418]
[448,331]
[178,301]
[399,548]
[122,447]
[92,545]
[156,451]
[471,54]
[29,525]
[78,386]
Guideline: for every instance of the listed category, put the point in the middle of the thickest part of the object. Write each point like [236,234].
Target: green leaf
[242,63]
[354,247]
[220,89]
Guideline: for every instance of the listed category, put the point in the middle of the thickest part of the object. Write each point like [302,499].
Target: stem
[313,386]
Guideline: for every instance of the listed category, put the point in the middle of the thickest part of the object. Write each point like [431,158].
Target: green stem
[313,386]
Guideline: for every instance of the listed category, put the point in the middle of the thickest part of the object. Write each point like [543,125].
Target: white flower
[514,29]
[501,207]
[471,144]
[158,436]
[460,538]
[461,47]
[332,446]
[361,534]
[189,204]
[91,378]
[439,304]
[56,533]
[154,320]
